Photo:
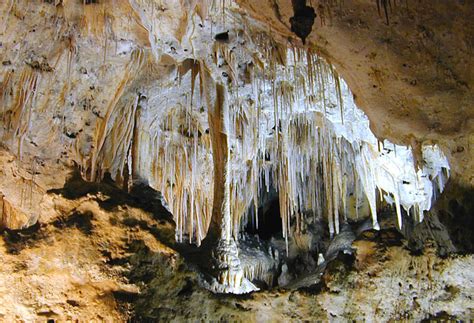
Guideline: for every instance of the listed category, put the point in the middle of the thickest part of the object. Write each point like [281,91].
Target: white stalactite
[290,121]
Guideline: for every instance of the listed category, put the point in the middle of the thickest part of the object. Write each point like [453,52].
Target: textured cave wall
[103,85]
[412,76]
[76,81]
[89,86]
[57,80]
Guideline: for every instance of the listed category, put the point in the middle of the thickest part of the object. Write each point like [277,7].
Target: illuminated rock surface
[151,151]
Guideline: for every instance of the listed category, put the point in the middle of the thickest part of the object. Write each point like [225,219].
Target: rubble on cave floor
[106,258]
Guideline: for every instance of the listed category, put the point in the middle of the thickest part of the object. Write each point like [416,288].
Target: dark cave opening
[269,221]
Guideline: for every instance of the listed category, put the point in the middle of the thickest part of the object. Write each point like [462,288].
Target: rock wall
[202,102]
[407,64]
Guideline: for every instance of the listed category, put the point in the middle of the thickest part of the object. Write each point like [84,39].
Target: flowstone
[229,274]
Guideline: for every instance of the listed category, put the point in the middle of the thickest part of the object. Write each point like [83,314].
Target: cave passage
[269,221]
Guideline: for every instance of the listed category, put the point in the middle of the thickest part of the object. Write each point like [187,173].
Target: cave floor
[105,257]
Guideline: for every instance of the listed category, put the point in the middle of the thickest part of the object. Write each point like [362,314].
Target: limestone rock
[12,217]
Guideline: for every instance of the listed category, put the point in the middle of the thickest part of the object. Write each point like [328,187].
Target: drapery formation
[213,123]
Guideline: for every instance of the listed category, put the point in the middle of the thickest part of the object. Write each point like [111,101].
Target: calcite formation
[206,105]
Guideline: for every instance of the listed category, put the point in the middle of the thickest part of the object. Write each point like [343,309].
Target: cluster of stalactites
[268,143]
[113,137]
[183,173]
[315,171]
[299,145]
[16,114]
[282,134]
[292,145]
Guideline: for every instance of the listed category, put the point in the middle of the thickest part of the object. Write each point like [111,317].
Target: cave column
[220,226]
[226,263]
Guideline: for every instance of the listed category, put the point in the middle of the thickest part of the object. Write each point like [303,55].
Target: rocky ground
[108,255]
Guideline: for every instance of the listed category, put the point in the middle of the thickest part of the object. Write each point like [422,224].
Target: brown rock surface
[73,81]
[106,258]
[413,77]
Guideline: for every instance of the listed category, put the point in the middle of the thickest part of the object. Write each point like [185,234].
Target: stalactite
[290,125]
[133,67]
[5,89]
[309,157]
[7,16]
[385,4]
[21,111]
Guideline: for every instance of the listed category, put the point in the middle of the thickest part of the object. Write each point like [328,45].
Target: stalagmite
[215,124]
[316,157]
[230,275]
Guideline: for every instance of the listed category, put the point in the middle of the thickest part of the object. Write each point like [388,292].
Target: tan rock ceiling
[414,76]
